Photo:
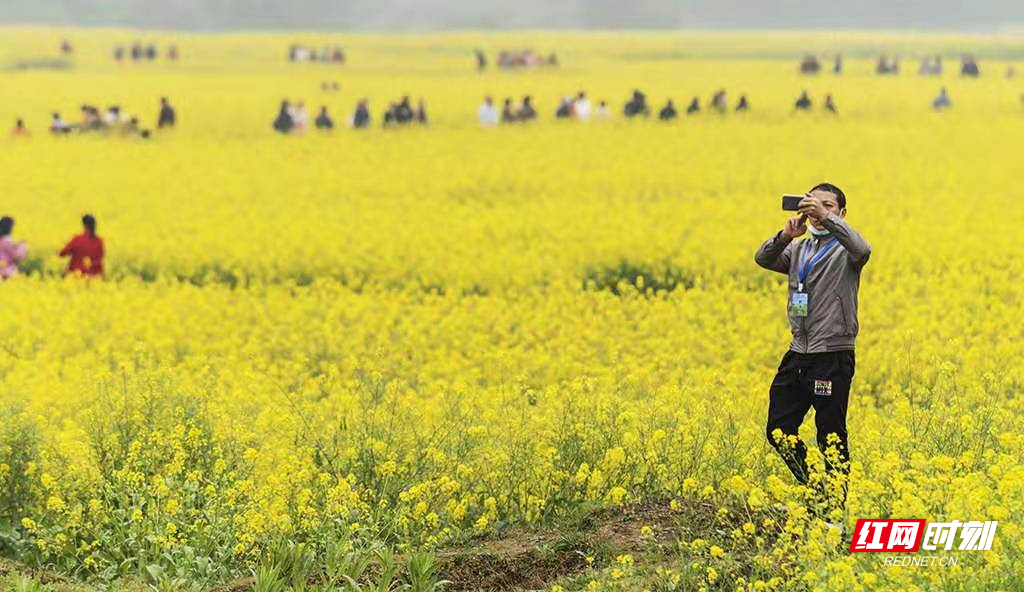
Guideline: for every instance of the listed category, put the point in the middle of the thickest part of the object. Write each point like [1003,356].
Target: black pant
[821,381]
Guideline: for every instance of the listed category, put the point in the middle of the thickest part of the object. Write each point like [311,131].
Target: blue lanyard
[806,266]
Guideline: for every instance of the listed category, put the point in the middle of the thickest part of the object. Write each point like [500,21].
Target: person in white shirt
[57,125]
[602,111]
[582,107]
[300,119]
[488,113]
[112,116]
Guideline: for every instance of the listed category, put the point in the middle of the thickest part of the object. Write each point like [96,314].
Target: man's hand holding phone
[795,227]
[812,206]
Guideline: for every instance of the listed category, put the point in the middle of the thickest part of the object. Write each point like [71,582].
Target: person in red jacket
[85,250]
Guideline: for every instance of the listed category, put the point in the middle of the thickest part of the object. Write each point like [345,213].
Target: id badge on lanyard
[799,303]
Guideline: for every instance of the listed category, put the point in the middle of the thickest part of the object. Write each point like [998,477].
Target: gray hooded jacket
[831,287]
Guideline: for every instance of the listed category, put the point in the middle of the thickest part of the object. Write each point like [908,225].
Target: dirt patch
[531,559]
[519,558]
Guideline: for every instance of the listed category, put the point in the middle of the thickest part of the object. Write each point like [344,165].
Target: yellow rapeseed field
[406,340]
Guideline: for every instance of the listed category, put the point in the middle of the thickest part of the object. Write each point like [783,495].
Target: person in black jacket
[636,105]
[284,123]
[403,112]
[668,112]
[323,120]
[526,110]
[803,103]
[167,117]
[361,118]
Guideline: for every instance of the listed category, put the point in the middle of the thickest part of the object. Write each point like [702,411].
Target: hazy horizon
[985,16]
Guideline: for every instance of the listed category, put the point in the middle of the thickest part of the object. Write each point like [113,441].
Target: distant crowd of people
[110,120]
[890,66]
[515,59]
[138,52]
[581,108]
[292,117]
[804,103]
[637,105]
[403,113]
[302,53]
[84,251]
[511,112]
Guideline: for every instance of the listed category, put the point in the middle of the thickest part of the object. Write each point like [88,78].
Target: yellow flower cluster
[414,336]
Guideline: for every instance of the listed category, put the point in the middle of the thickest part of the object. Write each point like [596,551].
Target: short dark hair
[90,223]
[840,196]
[6,225]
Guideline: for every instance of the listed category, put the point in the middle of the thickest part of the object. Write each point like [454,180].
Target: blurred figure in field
[167,117]
[743,104]
[91,119]
[488,113]
[810,65]
[151,52]
[582,107]
[131,127]
[112,116]
[402,112]
[602,111]
[20,131]
[837,68]
[421,112]
[57,125]
[885,67]
[693,107]
[803,103]
[719,102]
[323,120]
[283,122]
[508,112]
[338,57]
[969,67]
[564,110]
[300,118]
[931,66]
[66,48]
[136,51]
[361,117]
[830,105]
[481,60]
[389,115]
[11,253]
[118,53]
[1010,72]
[526,110]
[637,105]
[942,101]
[172,53]
[668,112]
[85,250]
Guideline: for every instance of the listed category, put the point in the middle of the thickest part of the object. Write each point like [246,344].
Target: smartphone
[790,202]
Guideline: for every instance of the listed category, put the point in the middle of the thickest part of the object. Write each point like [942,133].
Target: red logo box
[877,535]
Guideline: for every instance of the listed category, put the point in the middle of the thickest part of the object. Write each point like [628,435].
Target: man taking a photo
[824,276]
